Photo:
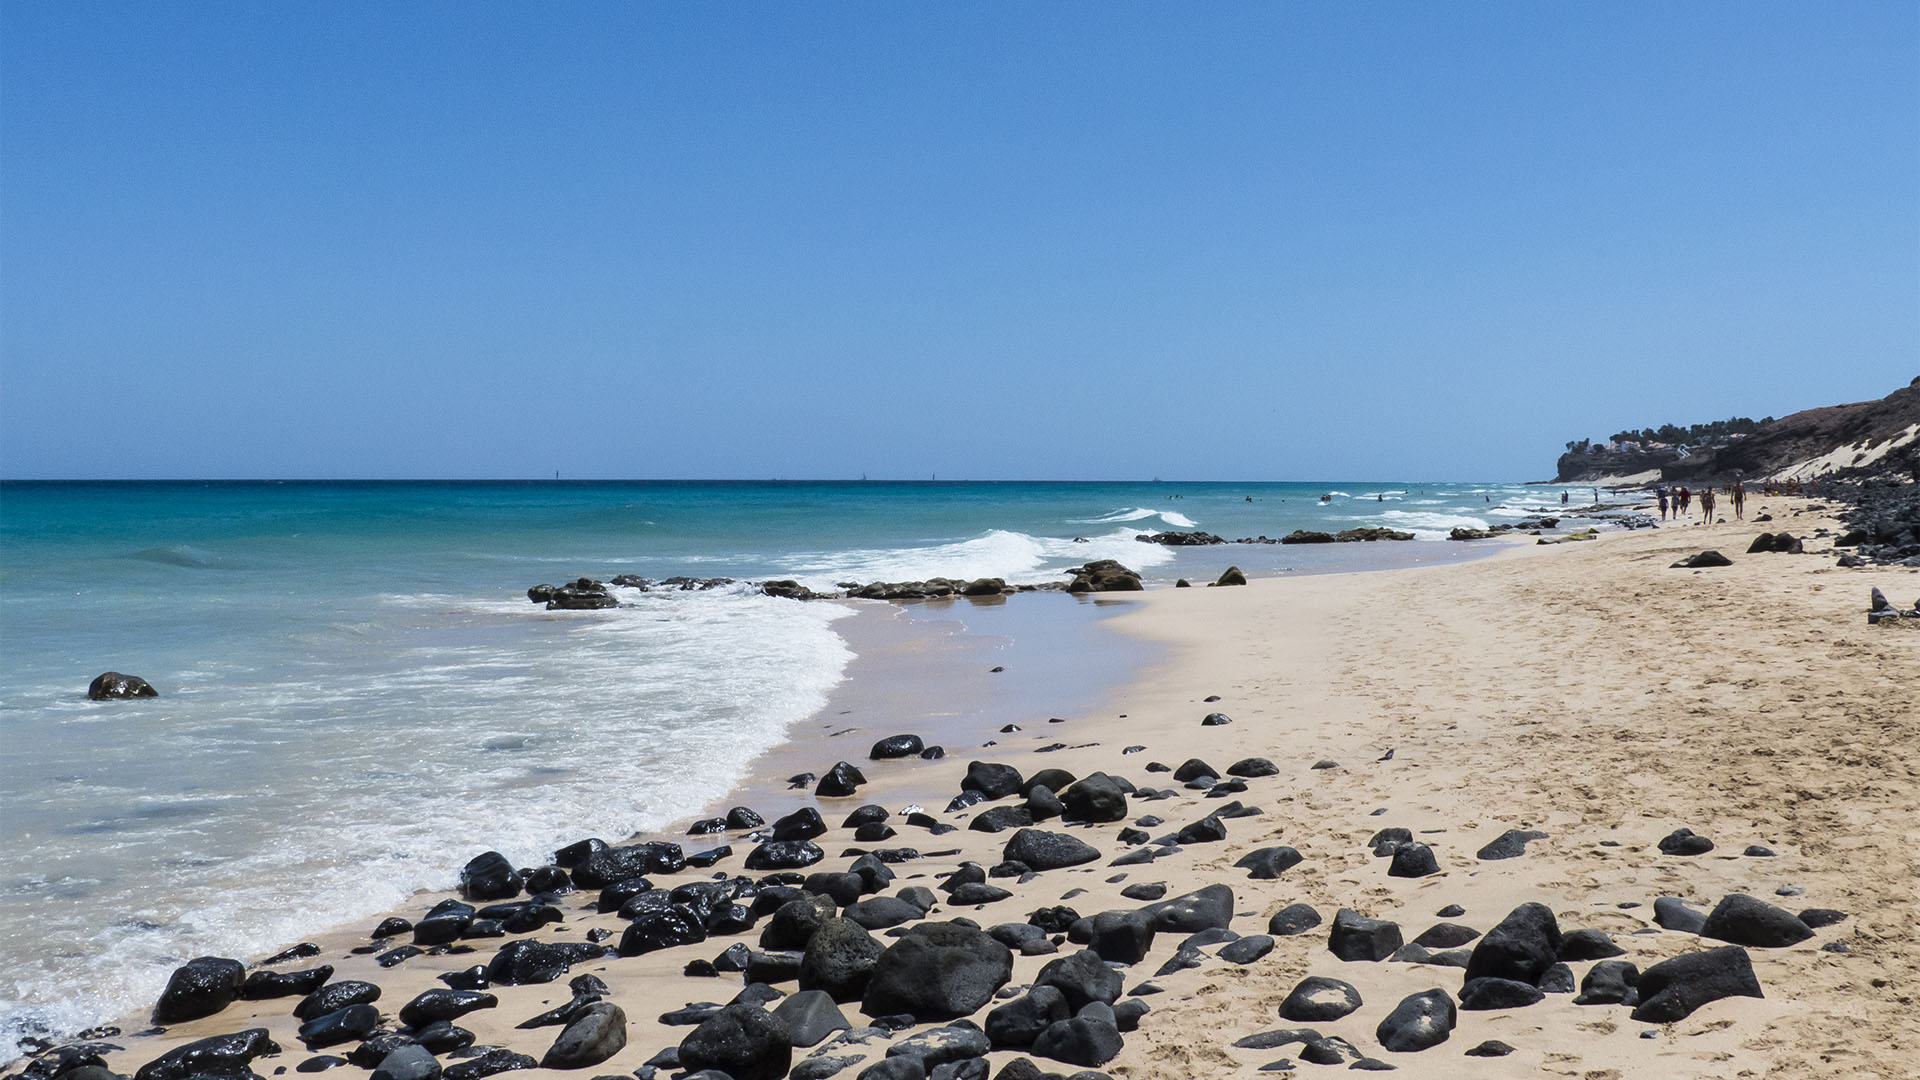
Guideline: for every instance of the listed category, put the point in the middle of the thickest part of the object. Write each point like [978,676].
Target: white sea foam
[1139,513]
[498,725]
[1020,558]
[1430,526]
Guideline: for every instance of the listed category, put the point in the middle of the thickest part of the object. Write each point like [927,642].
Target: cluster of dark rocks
[1344,536]
[838,958]
[1883,523]
[1298,536]
[1531,526]
[587,594]
[1784,543]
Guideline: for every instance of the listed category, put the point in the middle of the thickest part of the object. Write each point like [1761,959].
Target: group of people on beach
[1679,499]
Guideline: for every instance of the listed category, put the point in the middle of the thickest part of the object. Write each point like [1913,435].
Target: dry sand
[1584,690]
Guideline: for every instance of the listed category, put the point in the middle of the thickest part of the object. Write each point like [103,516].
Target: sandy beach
[1585,691]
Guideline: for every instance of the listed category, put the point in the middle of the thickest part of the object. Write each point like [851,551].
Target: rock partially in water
[113,686]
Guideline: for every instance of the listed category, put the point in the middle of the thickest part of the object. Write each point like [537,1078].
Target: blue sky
[1077,240]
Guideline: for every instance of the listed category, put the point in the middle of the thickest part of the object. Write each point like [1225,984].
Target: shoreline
[1280,706]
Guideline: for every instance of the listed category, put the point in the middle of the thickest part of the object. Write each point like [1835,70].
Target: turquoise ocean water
[357,695]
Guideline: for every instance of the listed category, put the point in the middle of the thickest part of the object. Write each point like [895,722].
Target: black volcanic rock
[216,1055]
[745,1042]
[937,971]
[113,686]
[896,746]
[1673,989]
[1356,937]
[1522,947]
[1318,1000]
[599,1033]
[840,781]
[200,987]
[991,779]
[1048,851]
[1684,841]
[1420,1021]
[1744,920]
[1509,845]
[1103,575]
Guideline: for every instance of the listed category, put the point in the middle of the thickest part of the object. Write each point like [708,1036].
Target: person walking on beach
[1661,494]
[1706,507]
[1739,491]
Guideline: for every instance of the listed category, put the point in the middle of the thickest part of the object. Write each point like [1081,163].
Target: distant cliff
[1599,465]
[1862,440]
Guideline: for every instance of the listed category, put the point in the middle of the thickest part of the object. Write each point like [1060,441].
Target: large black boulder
[1048,851]
[525,962]
[335,996]
[840,958]
[810,1016]
[1094,798]
[784,855]
[1744,920]
[1203,909]
[439,1004]
[1672,989]
[1082,1040]
[663,928]
[938,971]
[803,824]
[608,865]
[214,1055]
[1293,919]
[1083,978]
[1418,1022]
[1020,1021]
[489,876]
[1610,982]
[840,781]
[599,1033]
[896,746]
[1356,937]
[351,1024]
[1122,936]
[1673,913]
[1103,575]
[262,985]
[881,912]
[991,779]
[1319,1000]
[111,685]
[1521,948]
[793,923]
[1413,860]
[1002,818]
[745,1042]
[200,987]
